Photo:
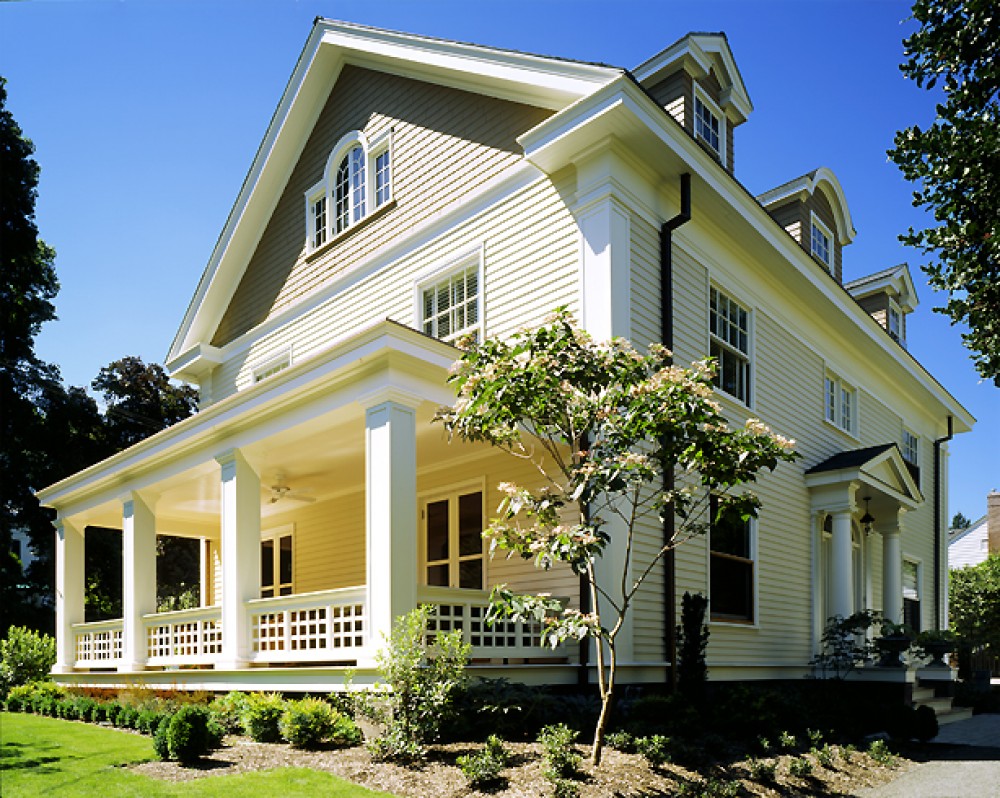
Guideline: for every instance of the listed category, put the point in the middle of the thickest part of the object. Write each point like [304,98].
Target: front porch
[325,504]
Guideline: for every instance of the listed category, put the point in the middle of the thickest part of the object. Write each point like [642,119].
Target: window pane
[730,535]
[470,524]
[437,531]
[437,575]
[266,563]
[732,588]
[470,574]
[285,560]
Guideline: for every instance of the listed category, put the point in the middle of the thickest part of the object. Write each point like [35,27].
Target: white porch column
[240,499]
[892,569]
[390,511]
[138,579]
[69,592]
[841,566]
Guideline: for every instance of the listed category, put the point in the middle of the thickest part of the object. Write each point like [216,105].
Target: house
[410,190]
[972,545]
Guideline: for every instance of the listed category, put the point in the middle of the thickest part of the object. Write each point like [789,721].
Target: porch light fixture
[867,520]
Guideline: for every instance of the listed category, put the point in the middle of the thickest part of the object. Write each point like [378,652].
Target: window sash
[820,244]
[707,125]
[731,565]
[451,306]
[383,178]
[729,344]
[453,541]
[276,566]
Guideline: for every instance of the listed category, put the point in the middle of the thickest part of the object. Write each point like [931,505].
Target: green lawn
[45,756]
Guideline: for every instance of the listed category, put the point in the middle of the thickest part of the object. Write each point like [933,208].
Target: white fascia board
[193,364]
[420,361]
[622,108]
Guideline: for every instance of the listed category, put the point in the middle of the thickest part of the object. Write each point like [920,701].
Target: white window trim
[900,334]
[749,354]
[449,492]
[326,187]
[755,559]
[816,222]
[700,95]
[840,384]
[274,534]
[473,257]
[916,445]
[272,365]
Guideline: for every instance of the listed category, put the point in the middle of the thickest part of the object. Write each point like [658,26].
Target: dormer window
[708,124]
[820,242]
[894,322]
[349,192]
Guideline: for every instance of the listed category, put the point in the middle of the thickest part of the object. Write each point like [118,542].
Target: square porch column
[240,538]
[138,579]
[70,592]
[390,510]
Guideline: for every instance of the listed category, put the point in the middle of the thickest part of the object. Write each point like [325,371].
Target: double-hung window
[276,577]
[729,344]
[357,180]
[732,566]
[451,305]
[840,403]
[821,242]
[911,454]
[453,541]
[708,124]
[894,322]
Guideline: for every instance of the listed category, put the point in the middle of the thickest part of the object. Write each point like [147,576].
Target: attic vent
[272,366]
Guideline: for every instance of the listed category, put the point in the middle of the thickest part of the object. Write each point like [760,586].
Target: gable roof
[895,280]
[880,467]
[822,179]
[547,82]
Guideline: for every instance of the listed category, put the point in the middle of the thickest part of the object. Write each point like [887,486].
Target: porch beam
[240,500]
[390,511]
[138,578]
[70,592]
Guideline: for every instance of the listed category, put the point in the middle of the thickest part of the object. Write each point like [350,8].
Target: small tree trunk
[607,701]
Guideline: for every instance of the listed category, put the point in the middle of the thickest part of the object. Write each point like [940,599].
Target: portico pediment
[879,468]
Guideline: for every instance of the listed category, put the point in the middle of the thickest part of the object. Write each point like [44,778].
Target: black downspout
[937,521]
[667,337]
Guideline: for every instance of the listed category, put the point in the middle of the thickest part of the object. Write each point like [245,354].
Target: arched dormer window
[357,181]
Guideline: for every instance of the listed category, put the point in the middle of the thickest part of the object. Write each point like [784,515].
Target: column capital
[833,499]
[387,394]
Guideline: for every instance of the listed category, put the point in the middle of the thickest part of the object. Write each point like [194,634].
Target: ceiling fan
[281,490]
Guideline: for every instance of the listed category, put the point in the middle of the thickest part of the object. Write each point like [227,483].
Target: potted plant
[896,638]
[936,643]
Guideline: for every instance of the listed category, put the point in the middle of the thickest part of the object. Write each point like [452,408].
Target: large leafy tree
[603,425]
[956,163]
[27,286]
[974,603]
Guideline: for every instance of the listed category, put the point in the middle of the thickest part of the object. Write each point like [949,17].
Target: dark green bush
[395,746]
[512,710]
[482,770]
[307,723]
[262,717]
[19,698]
[656,749]
[160,744]
[228,710]
[561,758]
[188,734]
[621,741]
[128,716]
[148,720]
[762,770]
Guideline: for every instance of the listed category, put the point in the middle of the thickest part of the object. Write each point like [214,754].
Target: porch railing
[466,610]
[98,644]
[328,625]
[184,637]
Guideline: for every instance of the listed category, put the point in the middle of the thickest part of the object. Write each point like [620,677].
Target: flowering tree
[607,428]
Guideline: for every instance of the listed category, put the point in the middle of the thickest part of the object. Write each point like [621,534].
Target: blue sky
[146,115]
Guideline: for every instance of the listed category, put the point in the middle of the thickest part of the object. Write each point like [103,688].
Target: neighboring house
[972,545]
[411,190]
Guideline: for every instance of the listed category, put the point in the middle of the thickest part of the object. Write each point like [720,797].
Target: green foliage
[621,741]
[824,756]
[692,642]
[800,767]
[762,770]
[25,656]
[483,769]
[974,603]
[879,751]
[787,741]
[846,644]
[160,745]
[228,710]
[262,717]
[607,426]
[513,710]
[310,722]
[847,753]
[955,161]
[188,734]
[423,673]
[656,749]
[959,521]
[561,758]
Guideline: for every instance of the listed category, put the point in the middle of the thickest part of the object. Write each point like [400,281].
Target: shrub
[847,753]
[692,642]
[762,770]
[881,754]
[262,717]
[815,738]
[188,734]
[482,769]
[43,697]
[127,718]
[25,656]
[308,723]
[824,757]
[424,672]
[621,741]
[717,788]
[564,788]
[160,745]
[800,766]
[787,741]
[228,710]
[19,698]
[561,759]
[925,724]
[656,749]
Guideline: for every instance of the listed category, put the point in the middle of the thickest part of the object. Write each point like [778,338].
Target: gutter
[938,506]
[667,337]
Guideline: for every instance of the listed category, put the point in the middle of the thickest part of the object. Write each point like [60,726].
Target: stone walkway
[965,764]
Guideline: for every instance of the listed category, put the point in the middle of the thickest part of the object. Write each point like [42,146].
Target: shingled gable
[536,80]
